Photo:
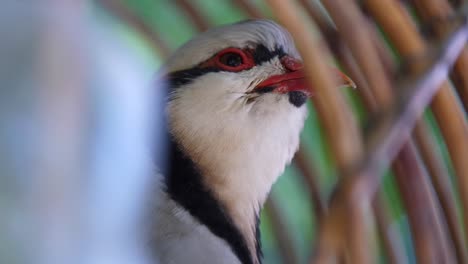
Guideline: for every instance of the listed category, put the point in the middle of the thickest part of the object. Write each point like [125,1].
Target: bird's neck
[242,191]
[236,159]
[236,222]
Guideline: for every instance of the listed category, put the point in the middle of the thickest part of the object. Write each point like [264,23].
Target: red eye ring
[246,60]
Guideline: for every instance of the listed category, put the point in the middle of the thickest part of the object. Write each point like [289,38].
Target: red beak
[295,80]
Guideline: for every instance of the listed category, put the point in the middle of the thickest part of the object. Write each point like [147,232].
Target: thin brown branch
[356,32]
[251,10]
[344,138]
[411,117]
[439,14]
[451,118]
[342,11]
[385,56]
[431,245]
[200,22]
[353,28]
[324,23]
[392,129]
[441,181]
[456,3]
[120,10]
[285,241]
[439,177]
[347,17]
[339,123]
[391,237]
[304,163]
[342,52]
[460,77]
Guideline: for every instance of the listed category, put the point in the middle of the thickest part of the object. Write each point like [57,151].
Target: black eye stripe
[260,55]
[265,90]
[183,77]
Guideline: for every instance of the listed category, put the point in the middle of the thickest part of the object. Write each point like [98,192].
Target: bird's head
[238,86]
[237,101]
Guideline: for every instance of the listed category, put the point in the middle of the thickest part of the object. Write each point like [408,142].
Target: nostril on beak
[291,63]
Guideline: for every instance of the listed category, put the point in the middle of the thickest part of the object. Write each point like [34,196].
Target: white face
[219,105]
[224,104]
[240,138]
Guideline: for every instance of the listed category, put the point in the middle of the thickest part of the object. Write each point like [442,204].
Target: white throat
[240,150]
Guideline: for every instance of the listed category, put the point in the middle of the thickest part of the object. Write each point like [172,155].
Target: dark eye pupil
[231,59]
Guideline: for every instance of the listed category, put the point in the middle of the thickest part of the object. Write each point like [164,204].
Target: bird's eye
[231,59]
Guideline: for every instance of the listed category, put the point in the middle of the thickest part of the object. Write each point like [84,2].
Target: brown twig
[116,7]
[347,16]
[392,129]
[387,60]
[304,163]
[285,241]
[455,41]
[448,113]
[441,181]
[248,8]
[391,237]
[418,196]
[200,22]
[342,52]
[422,250]
[340,124]
[353,27]
[439,14]
[456,3]
[343,136]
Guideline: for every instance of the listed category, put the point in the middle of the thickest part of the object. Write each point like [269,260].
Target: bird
[235,109]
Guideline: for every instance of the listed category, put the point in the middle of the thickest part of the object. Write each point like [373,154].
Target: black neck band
[185,186]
